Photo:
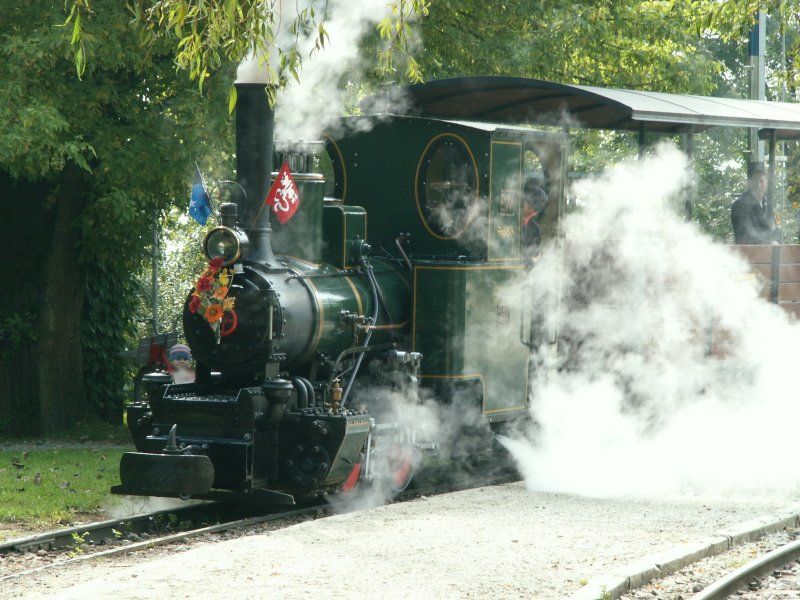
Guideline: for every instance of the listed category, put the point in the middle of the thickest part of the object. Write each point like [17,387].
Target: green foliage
[134,125]
[207,35]
[181,261]
[55,487]
[36,138]
[107,327]
[18,328]
[395,30]
[78,541]
[76,41]
[629,43]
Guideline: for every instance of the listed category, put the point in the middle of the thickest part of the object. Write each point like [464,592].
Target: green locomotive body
[386,286]
[451,193]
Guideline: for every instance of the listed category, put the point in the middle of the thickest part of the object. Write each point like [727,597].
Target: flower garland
[210,294]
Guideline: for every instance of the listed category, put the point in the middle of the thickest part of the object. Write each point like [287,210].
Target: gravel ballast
[496,542]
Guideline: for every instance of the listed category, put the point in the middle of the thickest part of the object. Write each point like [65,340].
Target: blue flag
[200,203]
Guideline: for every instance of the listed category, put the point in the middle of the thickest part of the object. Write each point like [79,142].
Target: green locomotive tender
[386,284]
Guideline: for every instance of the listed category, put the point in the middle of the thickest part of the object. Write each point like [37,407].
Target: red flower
[215,263]
[204,284]
[194,304]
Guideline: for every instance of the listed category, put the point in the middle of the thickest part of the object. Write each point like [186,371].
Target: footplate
[178,475]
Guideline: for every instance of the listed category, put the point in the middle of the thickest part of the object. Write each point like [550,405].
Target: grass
[92,431]
[66,478]
[56,486]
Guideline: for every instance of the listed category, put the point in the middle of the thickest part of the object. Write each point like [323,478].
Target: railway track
[160,528]
[103,533]
[749,576]
[121,536]
[764,568]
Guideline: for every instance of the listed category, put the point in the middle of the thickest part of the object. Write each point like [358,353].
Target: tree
[84,164]
[627,43]
[99,131]
[208,34]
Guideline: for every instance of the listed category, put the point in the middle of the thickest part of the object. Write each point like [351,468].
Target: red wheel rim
[401,464]
[352,480]
[229,323]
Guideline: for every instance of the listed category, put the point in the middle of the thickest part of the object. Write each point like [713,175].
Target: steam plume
[671,373]
[308,107]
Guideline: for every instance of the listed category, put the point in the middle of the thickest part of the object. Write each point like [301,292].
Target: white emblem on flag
[283,197]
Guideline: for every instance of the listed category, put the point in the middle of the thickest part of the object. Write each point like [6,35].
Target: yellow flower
[223,278]
[228,303]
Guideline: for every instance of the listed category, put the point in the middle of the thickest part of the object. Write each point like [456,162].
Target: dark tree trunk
[41,368]
[62,398]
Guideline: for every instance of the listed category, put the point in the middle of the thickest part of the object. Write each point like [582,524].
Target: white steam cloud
[671,375]
[307,108]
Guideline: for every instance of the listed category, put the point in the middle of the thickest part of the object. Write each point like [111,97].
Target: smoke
[671,373]
[307,107]
[120,507]
[442,428]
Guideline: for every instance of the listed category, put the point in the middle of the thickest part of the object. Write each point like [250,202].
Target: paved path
[501,542]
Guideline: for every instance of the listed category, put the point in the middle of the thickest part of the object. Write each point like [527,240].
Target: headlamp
[228,243]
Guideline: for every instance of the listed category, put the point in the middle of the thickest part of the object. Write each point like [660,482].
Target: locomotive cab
[454,214]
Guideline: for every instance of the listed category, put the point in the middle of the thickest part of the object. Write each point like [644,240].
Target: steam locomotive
[336,324]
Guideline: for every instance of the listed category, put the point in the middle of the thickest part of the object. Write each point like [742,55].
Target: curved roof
[522,100]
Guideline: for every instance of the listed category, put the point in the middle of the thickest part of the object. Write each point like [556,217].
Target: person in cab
[534,201]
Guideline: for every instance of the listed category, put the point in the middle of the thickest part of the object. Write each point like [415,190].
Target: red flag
[283,197]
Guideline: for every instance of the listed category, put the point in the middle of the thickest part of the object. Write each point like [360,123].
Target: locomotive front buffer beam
[265,455]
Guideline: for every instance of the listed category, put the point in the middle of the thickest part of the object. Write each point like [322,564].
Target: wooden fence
[778,270]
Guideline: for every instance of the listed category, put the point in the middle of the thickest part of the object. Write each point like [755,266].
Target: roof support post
[689,192]
[771,175]
[642,139]
[757,66]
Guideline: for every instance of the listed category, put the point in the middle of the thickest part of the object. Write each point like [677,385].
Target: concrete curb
[636,574]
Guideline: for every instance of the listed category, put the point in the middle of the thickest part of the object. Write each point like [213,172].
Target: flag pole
[258,214]
[205,188]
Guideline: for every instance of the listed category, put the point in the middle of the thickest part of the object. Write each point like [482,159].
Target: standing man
[749,213]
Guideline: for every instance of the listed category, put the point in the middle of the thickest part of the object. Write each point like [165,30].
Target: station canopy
[533,101]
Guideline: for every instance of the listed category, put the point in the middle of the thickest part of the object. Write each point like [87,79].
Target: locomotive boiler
[329,321]
[270,413]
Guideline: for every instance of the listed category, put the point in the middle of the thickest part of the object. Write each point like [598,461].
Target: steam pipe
[312,401]
[399,242]
[374,286]
[302,392]
[255,122]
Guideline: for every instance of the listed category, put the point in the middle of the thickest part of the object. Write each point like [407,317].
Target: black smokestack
[254,126]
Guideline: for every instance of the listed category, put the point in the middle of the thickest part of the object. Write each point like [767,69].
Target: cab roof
[535,101]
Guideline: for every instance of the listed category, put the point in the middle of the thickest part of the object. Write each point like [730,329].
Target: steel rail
[98,532]
[739,578]
[168,539]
